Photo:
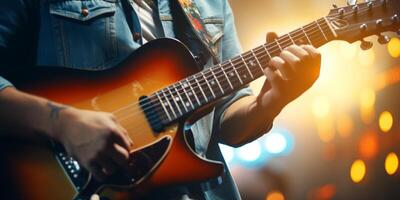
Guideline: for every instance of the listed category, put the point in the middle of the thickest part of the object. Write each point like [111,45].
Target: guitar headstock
[355,22]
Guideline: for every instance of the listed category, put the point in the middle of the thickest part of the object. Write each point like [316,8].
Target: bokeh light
[368,146]
[391,163]
[275,143]
[250,152]
[367,102]
[275,195]
[357,171]
[385,121]
[394,47]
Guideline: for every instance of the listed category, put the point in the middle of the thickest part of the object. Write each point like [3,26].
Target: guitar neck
[225,78]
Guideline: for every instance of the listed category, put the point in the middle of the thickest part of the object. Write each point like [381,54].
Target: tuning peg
[351,2]
[341,12]
[383,39]
[334,6]
[365,45]
[355,9]
[370,6]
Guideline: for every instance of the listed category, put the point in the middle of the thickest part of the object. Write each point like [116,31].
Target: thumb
[271,36]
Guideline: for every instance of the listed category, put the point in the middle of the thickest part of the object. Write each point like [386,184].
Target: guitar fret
[173,99]
[192,92]
[321,30]
[291,39]
[237,74]
[167,100]
[212,72]
[201,89]
[277,42]
[162,104]
[222,69]
[212,92]
[247,67]
[306,35]
[182,101]
[266,50]
[259,64]
[187,96]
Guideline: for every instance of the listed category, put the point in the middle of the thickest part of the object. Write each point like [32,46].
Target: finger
[275,80]
[271,36]
[125,134]
[97,172]
[279,64]
[292,61]
[120,156]
[120,137]
[299,52]
[313,52]
[265,87]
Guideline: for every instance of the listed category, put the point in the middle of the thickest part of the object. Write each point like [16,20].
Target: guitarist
[98,34]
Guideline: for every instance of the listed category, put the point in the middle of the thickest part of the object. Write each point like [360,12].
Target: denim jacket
[95,35]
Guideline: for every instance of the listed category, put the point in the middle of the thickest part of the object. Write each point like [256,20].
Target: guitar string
[134,125]
[257,49]
[331,15]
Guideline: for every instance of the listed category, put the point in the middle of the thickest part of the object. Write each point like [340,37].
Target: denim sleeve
[15,20]
[230,47]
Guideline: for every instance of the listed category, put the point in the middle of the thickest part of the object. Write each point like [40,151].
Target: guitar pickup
[151,114]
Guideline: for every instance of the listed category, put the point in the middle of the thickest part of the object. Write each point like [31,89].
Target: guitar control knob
[379,23]
[383,39]
[341,12]
[370,6]
[363,28]
[365,45]
[355,10]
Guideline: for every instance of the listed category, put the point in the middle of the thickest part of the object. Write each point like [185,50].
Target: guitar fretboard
[225,78]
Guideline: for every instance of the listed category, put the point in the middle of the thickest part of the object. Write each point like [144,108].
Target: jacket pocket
[84,31]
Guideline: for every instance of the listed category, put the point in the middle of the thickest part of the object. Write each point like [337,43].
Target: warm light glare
[385,121]
[321,107]
[357,171]
[367,102]
[275,195]
[394,47]
[366,58]
[391,163]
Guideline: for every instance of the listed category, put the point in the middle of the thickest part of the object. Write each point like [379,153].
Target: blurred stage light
[250,152]
[369,145]
[275,143]
[275,195]
[366,58]
[394,47]
[357,171]
[367,102]
[385,121]
[227,152]
[391,163]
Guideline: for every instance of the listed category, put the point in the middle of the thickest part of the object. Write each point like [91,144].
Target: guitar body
[158,159]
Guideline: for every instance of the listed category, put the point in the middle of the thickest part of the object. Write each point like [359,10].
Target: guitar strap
[197,24]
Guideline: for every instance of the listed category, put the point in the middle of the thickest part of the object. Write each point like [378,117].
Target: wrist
[58,115]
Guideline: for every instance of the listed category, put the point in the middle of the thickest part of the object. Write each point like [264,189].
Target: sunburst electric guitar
[152,94]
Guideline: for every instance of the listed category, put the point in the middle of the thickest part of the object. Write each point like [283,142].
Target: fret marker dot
[176,98]
[231,74]
[212,82]
[165,104]
[185,85]
[187,104]
[190,93]
[252,63]
[244,76]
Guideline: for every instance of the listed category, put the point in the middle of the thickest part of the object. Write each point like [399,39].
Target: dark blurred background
[341,139]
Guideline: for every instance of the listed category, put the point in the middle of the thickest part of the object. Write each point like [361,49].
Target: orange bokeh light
[368,145]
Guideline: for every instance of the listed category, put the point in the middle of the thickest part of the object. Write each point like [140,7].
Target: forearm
[22,113]
[244,121]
